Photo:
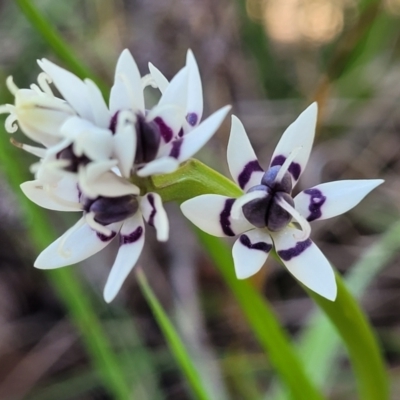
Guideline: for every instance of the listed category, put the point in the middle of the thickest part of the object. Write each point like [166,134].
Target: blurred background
[269,59]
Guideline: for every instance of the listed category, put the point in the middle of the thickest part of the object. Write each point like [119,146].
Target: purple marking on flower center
[317,200]
[294,168]
[176,148]
[180,133]
[105,238]
[244,239]
[295,251]
[165,130]
[113,123]
[192,119]
[132,237]
[150,197]
[245,175]
[224,218]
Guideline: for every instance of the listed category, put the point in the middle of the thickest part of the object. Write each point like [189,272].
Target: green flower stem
[173,339]
[57,43]
[64,280]
[193,178]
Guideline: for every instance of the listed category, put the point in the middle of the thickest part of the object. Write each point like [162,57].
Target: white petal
[95,179]
[194,108]
[299,134]
[131,245]
[305,262]
[334,198]
[163,165]
[159,78]
[100,111]
[176,91]
[127,92]
[77,244]
[125,142]
[212,214]
[242,161]
[70,86]
[169,119]
[94,142]
[250,252]
[184,148]
[154,214]
[61,197]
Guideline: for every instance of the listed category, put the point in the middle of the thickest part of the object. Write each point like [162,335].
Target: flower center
[266,211]
[107,210]
[74,160]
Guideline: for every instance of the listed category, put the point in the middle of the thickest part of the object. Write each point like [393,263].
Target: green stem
[173,339]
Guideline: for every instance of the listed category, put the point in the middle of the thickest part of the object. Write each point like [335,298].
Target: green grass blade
[57,43]
[173,340]
[64,280]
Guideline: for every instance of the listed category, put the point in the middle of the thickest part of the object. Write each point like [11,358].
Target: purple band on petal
[224,218]
[176,148]
[165,130]
[294,168]
[180,133]
[105,238]
[113,123]
[317,200]
[150,197]
[245,241]
[295,251]
[132,237]
[192,119]
[245,175]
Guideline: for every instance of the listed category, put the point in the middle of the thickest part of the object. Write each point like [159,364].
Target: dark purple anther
[113,123]
[131,237]
[295,251]
[256,211]
[165,130]
[74,160]
[112,209]
[277,217]
[266,247]
[294,168]
[317,200]
[245,175]
[285,185]
[192,119]
[224,218]
[148,140]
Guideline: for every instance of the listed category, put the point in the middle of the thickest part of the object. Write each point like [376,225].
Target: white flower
[103,218]
[268,216]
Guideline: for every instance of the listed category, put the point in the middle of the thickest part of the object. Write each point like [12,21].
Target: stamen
[11,123]
[11,86]
[7,109]
[96,226]
[304,225]
[286,165]
[148,80]
[246,198]
[36,88]
[60,248]
[44,80]
[37,151]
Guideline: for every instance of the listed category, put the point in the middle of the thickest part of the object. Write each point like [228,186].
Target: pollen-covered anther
[277,183]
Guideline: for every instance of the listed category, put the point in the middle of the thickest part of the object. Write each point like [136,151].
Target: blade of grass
[173,340]
[57,43]
[64,280]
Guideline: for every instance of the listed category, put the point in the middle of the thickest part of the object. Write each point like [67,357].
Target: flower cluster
[267,215]
[89,152]
[95,159]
